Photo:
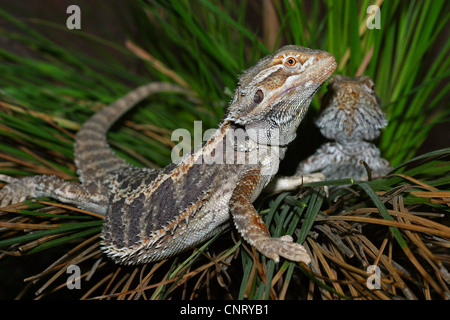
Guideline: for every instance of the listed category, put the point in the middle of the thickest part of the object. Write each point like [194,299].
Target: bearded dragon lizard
[155,214]
[351,117]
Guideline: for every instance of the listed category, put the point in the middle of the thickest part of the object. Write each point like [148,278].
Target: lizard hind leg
[253,229]
[17,190]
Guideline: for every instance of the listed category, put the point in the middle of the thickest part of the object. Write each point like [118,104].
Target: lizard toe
[5,197]
[286,238]
[294,252]
[285,247]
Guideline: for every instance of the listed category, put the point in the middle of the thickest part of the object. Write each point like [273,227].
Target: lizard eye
[258,97]
[290,62]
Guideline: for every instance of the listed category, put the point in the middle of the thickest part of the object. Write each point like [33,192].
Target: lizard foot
[274,248]
[16,191]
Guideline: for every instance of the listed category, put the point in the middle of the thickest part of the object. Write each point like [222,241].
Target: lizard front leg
[87,197]
[253,229]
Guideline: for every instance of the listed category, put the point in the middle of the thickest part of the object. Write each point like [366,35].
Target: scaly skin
[155,214]
[351,116]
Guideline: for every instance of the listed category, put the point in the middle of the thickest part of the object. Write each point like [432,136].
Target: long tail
[93,156]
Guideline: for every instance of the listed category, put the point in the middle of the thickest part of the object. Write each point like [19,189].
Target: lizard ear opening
[245,107]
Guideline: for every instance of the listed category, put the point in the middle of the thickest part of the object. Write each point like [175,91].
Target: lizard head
[351,110]
[272,97]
